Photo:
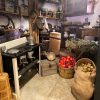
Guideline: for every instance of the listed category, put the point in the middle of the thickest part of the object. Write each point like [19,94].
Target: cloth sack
[83,86]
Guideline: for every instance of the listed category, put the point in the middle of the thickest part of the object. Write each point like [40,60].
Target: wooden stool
[5,92]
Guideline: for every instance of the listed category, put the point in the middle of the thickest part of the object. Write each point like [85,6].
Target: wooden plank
[16,78]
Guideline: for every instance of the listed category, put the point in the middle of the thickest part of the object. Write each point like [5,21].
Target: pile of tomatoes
[67,62]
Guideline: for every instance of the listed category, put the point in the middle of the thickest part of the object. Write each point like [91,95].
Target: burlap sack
[83,86]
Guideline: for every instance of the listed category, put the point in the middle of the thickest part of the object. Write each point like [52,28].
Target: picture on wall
[78,7]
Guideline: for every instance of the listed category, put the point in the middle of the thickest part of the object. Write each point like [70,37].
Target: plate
[12,51]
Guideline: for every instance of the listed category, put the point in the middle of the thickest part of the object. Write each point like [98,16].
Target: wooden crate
[5,92]
[48,67]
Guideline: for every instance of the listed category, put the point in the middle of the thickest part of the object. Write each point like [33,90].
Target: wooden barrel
[5,91]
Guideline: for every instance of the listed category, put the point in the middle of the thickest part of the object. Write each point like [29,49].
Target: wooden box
[48,67]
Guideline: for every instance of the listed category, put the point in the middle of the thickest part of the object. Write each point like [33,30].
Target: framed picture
[78,7]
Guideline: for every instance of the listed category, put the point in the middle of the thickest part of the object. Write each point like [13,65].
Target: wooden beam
[33,14]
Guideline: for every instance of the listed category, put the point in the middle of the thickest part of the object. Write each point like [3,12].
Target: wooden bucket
[66,72]
[5,92]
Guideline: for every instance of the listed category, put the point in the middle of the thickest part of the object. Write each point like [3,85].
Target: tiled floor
[51,87]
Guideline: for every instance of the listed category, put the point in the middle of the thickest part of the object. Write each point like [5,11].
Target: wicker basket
[85,61]
[5,92]
[66,72]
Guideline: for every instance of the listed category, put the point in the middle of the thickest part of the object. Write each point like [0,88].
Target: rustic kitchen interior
[49,49]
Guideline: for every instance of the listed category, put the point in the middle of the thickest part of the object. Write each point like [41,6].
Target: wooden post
[1,64]
[16,78]
[33,11]
[39,60]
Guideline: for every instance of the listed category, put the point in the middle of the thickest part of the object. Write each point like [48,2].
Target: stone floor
[51,87]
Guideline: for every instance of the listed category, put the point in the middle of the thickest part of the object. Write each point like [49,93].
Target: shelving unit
[51,14]
[49,17]
[14,7]
[29,66]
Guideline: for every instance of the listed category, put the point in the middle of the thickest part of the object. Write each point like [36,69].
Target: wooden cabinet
[16,7]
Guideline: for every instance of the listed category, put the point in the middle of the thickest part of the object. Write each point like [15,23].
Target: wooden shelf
[53,2]
[51,14]
[30,65]
[17,8]
[12,13]
[25,35]
[49,17]
[6,12]
[72,25]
